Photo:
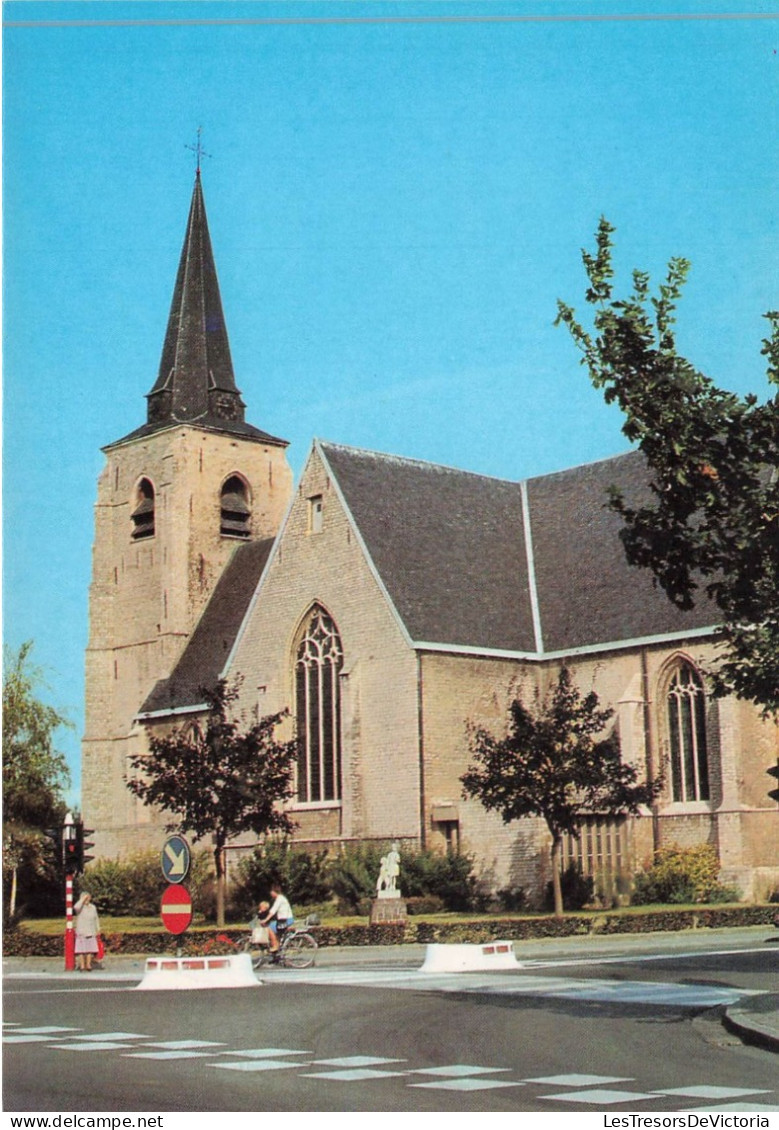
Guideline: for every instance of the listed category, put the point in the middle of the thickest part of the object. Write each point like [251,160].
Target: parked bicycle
[297,947]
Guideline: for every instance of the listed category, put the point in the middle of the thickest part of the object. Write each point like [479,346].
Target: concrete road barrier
[229,972]
[469,958]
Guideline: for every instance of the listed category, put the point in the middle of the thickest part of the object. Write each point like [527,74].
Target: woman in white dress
[87,930]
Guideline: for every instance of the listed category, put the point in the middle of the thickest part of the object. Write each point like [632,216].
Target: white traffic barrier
[199,973]
[469,958]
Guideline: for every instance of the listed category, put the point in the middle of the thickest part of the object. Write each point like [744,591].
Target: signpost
[176,909]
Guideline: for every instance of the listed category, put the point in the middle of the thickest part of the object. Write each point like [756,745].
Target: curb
[747,1026]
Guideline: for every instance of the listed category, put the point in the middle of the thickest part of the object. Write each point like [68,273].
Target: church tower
[175,499]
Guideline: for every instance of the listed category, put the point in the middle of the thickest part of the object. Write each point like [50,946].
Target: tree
[552,764]
[34,771]
[713,521]
[221,780]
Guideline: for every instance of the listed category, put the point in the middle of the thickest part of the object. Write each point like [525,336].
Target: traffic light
[84,845]
[75,846]
[55,835]
[70,849]
[774,772]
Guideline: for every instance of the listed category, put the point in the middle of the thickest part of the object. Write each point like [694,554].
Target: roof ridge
[428,464]
[423,464]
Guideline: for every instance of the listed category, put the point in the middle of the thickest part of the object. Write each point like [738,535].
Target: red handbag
[100,948]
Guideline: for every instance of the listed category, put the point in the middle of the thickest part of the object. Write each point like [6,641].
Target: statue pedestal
[388,910]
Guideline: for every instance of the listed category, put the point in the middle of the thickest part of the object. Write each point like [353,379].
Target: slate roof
[587,593]
[195,383]
[448,545]
[451,550]
[205,655]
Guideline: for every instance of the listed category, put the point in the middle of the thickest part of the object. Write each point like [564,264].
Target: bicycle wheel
[298,951]
[256,953]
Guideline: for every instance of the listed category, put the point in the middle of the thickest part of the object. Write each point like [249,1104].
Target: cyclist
[278,918]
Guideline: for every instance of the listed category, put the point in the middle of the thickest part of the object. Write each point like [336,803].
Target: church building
[390,605]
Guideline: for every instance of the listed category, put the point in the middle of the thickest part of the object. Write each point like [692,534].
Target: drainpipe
[649,746]
[421,754]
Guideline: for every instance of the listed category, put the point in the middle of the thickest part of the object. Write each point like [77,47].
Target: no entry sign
[176,909]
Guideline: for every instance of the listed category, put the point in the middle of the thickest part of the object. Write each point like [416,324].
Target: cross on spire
[198,149]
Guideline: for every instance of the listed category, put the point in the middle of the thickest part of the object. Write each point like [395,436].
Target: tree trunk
[557,844]
[219,860]
[12,904]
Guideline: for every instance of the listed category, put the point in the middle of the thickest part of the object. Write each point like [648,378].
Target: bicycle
[297,947]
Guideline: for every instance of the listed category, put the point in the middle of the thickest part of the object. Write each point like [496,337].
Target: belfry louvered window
[318,710]
[143,511]
[235,520]
[686,702]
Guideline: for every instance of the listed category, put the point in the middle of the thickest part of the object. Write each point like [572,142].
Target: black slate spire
[196,382]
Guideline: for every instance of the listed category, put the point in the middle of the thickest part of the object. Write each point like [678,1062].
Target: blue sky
[397,196]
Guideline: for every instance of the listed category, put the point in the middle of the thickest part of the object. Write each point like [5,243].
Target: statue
[387,883]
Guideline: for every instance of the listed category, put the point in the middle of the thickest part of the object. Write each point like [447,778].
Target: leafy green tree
[221,780]
[34,772]
[553,764]
[713,519]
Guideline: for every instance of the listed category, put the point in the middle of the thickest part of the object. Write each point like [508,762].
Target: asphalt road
[623,1028]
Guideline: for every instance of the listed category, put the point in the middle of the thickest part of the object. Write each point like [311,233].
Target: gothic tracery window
[318,709]
[686,705]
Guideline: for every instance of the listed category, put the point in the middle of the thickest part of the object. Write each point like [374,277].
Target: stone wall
[146,595]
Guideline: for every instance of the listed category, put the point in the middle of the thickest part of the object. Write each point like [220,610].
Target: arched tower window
[143,512]
[318,709]
[686,707]
[235,512]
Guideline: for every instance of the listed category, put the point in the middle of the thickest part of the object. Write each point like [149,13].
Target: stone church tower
[176,498]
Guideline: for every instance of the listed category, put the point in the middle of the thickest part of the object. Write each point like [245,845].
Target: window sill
[314,805]
[688,808]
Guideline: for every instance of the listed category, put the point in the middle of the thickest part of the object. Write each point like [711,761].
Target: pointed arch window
[235,512]
[143,512]
[318,709]
[686,706]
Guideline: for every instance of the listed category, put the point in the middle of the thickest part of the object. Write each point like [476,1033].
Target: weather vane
[198,149]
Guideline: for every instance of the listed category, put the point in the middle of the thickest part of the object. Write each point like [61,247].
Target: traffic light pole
[68,834]
[70,934]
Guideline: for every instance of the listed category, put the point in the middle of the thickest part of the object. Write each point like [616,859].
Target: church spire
[196,384]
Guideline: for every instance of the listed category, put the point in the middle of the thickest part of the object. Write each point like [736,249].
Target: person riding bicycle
[277,917]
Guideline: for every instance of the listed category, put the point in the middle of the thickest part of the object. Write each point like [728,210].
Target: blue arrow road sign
[176,858]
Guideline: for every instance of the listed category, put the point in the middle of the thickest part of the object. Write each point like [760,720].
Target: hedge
[23,942]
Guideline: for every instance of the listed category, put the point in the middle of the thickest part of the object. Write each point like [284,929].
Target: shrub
[133,886]
[577,889]
[446,876]
[511,899]
[353,875]
[425,904]
[302,875]
[682,875]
